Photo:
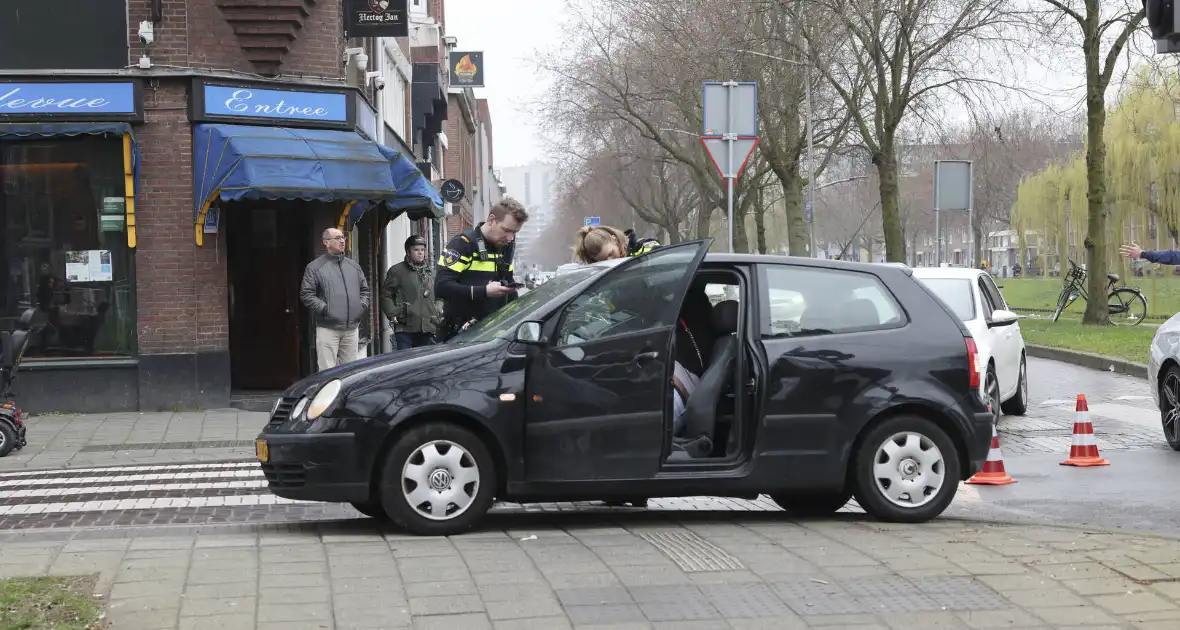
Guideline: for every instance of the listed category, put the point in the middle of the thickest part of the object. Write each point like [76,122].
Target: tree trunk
[886,162]
[977,234]
[760,223]
[704,215]
[1097,309]
[673,233]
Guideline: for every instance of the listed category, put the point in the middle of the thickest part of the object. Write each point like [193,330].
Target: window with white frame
[393,97]
[418,8]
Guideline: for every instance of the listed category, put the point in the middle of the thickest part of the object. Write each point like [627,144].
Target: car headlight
[323,399]
[299,406]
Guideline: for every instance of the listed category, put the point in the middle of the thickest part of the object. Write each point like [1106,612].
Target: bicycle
[1121,301]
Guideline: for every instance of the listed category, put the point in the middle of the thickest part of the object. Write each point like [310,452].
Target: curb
[1087,359]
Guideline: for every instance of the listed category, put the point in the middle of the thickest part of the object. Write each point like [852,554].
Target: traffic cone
[992,473]
[1084,451]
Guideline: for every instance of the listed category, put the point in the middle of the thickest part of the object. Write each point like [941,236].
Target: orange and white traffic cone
[1084,451]
[992,473]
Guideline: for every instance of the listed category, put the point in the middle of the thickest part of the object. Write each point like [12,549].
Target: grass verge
[1132,343]
[50,603]
[1162,293]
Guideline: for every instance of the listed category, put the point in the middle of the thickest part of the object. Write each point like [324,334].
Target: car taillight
[973,361]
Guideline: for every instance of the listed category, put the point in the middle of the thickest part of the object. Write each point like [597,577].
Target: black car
[819,380]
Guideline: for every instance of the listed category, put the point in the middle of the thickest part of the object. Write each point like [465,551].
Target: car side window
[803,301]
[642,295]
[993,293]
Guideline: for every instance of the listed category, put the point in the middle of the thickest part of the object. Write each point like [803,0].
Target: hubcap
[440,480]
[1171,410]
[909,469]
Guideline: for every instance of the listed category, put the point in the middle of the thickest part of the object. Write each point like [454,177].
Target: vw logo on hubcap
[440,479]
[908,468]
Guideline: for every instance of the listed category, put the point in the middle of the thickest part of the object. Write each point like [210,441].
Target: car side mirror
[529,332]
[1000,317]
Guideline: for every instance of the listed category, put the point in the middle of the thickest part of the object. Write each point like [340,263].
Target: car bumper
[314,467]
[981,440]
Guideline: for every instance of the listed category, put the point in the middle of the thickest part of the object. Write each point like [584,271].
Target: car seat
[700,411]
[859,313]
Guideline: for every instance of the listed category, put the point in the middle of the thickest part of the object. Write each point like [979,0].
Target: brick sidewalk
[748,571]
[72,441]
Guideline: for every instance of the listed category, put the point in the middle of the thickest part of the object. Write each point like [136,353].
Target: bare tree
[913,54]
[1105,32]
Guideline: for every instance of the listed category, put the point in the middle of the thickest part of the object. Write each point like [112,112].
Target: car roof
[763,259]
[964,273]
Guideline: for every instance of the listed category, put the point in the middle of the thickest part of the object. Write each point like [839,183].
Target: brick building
[158,202]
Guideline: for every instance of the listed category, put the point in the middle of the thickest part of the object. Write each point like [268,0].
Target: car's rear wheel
[811,503]
[1018,404]
[1170,406]
[438,480]
[906,470]
[371,509]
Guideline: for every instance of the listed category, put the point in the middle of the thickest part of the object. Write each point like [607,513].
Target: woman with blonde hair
[596,243]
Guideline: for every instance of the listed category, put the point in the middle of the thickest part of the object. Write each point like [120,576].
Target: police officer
[475,273]
[637,246]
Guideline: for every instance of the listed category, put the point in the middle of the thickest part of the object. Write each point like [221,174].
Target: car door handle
[646,356]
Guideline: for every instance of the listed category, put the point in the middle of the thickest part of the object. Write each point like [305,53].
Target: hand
[1131,251]
[495,290]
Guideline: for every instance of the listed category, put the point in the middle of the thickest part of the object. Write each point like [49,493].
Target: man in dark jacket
[476,273]
[334,289]
[407,298]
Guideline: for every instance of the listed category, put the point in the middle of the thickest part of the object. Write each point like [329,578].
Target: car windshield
[505,320]
[957,294]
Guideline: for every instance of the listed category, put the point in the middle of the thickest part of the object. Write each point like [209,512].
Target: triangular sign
[729,165]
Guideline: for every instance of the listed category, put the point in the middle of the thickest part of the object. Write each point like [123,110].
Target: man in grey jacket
[334,289]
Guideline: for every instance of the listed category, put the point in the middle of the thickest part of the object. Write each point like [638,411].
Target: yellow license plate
[262,450]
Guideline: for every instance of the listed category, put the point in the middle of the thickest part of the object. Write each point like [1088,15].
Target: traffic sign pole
[730,133]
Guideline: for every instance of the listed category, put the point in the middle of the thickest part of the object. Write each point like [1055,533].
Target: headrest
[860,313]
[725,317]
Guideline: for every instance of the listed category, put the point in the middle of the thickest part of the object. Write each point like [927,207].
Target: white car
[1163,370]
[973,297]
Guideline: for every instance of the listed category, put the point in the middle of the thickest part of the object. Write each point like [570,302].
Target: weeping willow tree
[1142,141]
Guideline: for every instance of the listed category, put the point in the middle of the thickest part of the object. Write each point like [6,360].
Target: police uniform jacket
[465,268]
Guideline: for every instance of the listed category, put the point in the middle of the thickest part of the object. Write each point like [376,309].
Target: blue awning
[234,162]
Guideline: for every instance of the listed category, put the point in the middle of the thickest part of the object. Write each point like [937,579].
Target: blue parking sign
[593,221]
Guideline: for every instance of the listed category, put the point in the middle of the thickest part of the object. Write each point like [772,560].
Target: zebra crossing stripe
[242,500]
[131,468]
[85,481]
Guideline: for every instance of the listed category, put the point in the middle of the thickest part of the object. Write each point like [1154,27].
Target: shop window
[63,233]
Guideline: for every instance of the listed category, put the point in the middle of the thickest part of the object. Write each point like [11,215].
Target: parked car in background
[1163,370]
[821,381]
[973,297]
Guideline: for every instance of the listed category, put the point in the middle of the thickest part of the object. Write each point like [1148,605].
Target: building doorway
[268,245]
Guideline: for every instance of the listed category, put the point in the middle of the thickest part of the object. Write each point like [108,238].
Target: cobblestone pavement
[681,572]
[1120,408]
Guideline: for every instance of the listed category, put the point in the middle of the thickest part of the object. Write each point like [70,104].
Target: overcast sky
[508,33]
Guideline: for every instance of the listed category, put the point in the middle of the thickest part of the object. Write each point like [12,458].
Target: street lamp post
[810,195]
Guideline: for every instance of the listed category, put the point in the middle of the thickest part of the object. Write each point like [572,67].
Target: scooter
[12,348]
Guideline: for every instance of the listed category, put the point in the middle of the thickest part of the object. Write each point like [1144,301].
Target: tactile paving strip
[691,552]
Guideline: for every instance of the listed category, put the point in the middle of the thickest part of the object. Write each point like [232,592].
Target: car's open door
[596,391]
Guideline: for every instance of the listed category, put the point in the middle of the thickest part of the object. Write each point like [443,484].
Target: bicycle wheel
[1062,302]
[1127,306]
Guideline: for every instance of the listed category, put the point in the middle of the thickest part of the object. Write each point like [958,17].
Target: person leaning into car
[475,273]
[1158,256]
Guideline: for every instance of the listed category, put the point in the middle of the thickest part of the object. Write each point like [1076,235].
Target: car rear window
[956,293]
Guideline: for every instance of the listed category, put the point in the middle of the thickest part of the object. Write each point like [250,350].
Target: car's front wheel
[906,469]
[1170,406]
[1018,404]
[7,439]
[991,389]
[438,480]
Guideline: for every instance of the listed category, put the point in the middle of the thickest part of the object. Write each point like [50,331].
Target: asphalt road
[1137,492]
